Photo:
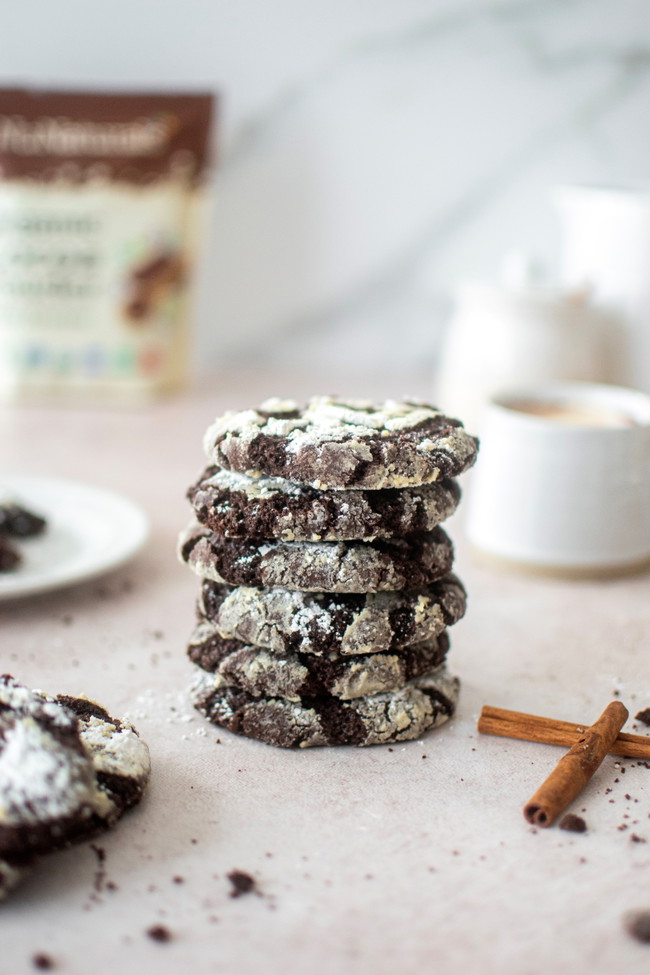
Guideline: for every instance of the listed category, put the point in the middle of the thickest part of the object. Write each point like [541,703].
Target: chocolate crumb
[43,962]
[158,932]
[636,839]
[100,873]
[178,880]
[242,883]
[575,824]
[643,716]
[637,923]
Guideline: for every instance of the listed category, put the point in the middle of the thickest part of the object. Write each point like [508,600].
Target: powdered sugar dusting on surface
[171,707]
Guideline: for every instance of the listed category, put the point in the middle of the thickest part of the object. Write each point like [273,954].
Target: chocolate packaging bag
[100,204]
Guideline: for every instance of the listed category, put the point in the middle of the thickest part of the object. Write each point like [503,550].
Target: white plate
[89,531]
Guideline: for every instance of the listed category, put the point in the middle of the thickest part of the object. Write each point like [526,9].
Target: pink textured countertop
[366,860]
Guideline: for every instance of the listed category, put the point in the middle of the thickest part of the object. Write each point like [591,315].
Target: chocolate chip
[643,716]
[158,932]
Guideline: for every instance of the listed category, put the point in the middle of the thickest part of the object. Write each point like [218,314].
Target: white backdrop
[372,152]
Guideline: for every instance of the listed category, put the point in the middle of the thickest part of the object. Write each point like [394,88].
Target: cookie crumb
[643,716]
[43,962]
[637,924]
[242,883]
[575,824]
[158,932]
[636,839]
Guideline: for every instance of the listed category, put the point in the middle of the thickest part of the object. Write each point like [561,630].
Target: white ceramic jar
[605,245]
[526,335]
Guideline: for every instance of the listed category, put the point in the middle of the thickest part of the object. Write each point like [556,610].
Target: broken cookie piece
[68,771]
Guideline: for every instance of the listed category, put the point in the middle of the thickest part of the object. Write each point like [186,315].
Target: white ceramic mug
[562,481]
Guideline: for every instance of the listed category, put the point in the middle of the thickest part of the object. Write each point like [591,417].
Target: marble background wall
[373,153]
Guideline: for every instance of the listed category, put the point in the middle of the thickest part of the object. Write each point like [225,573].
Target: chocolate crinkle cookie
[332,444]
[402,715]
[19,521]
[68,771]
[239,506]
[16,521]
[9,555]
[330,623]
[294,676]
[383,564]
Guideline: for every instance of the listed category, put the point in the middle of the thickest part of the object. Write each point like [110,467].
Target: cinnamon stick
[575,769]
[552,731]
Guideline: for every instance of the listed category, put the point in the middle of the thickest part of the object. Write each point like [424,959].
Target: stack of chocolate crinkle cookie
[326,587]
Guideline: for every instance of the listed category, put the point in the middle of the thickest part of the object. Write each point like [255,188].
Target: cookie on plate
[324,623]
[67,772]
[294,676]
[402,715]
[383,564]
[10,557]
[19,521]
[334,444]
[239,506]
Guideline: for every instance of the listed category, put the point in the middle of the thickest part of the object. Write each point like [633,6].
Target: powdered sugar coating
[384,564]
[239,506]
[403,715]
[293,676]
[116,752]
[333,445]
[325,623]
[45,775]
